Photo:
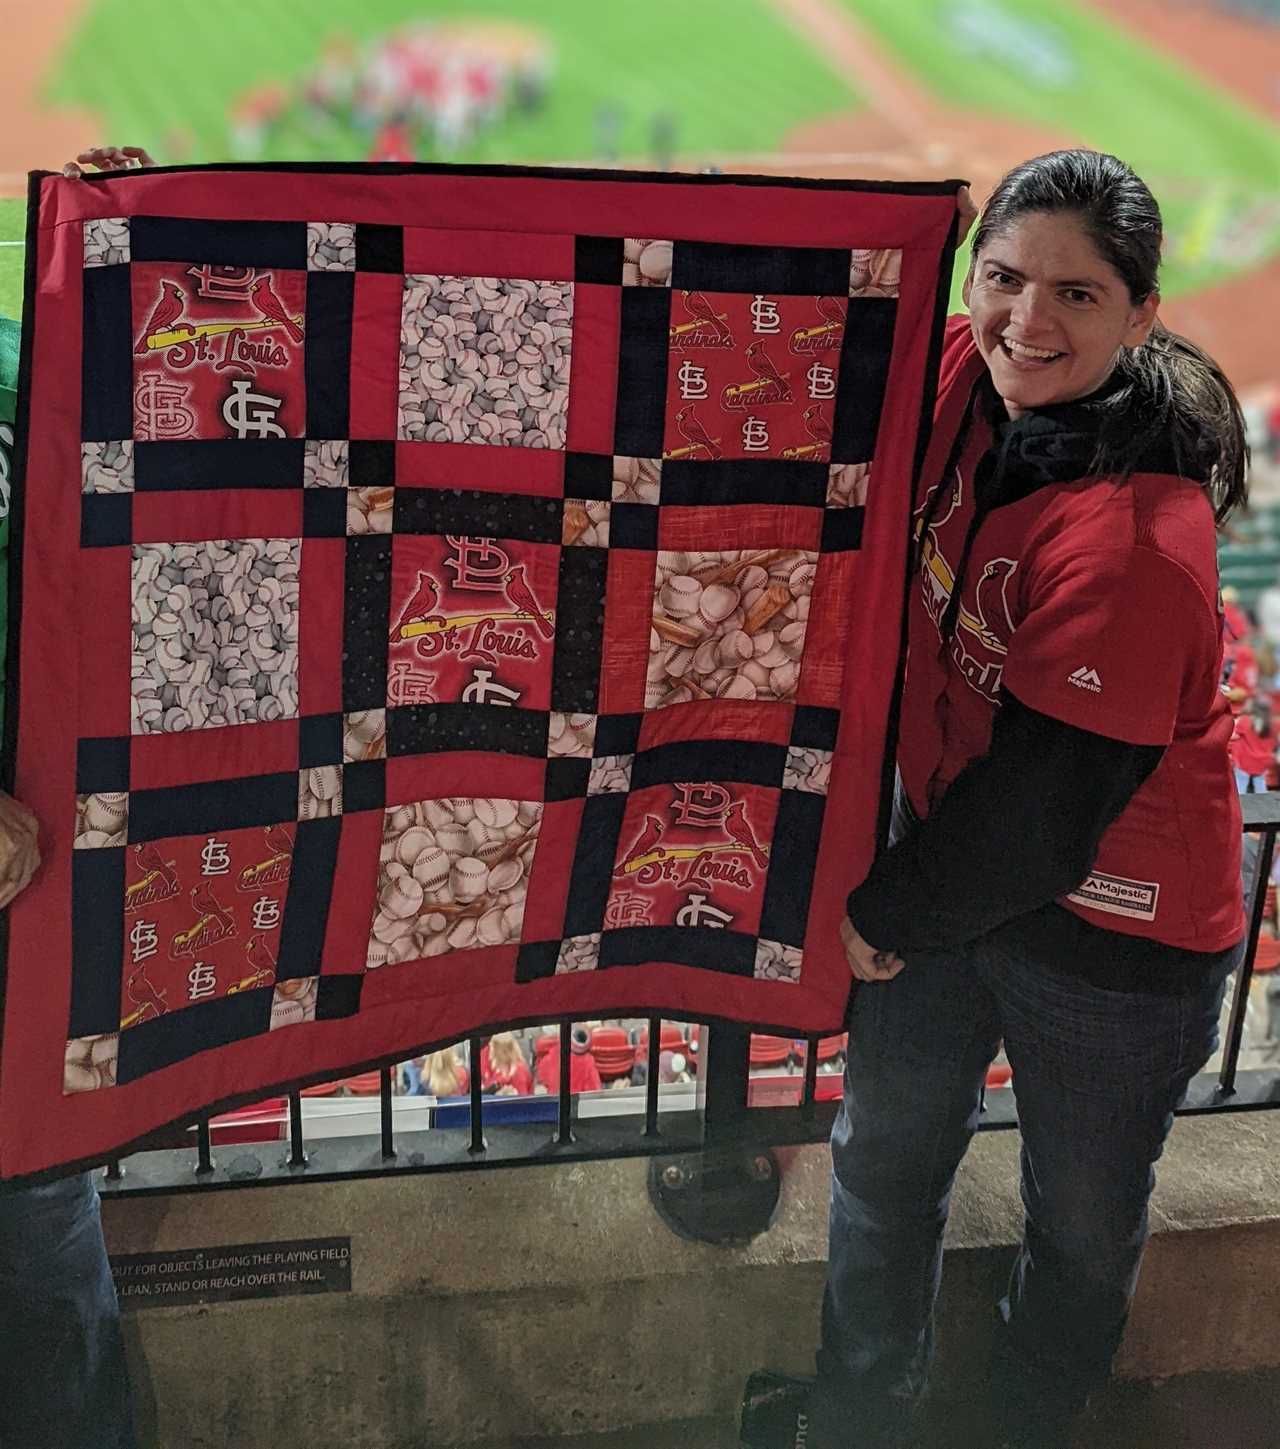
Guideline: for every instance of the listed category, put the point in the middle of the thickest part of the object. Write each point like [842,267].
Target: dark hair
[1171,393]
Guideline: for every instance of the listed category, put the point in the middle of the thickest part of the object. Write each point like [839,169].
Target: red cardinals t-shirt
[1095,603]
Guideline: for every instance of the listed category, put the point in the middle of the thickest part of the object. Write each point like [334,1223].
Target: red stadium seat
[263,1122]
[321,1089]
[770,1051]
[671,1039]
[999,1074]
[367,1084]
[830,1047]
[1268,957]
[614,1054]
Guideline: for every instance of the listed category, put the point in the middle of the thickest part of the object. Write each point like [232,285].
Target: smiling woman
[1064,869]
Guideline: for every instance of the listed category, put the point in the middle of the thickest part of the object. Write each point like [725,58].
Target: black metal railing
[715,1117]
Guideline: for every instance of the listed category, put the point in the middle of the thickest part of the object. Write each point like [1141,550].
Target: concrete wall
[540,1301]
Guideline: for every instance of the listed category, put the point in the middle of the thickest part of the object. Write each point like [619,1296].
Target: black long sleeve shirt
[1020,827]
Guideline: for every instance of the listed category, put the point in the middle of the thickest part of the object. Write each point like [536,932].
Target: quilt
[444,599]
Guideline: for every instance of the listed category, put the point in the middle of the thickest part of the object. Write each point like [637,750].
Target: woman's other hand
[866,963]
[109,158]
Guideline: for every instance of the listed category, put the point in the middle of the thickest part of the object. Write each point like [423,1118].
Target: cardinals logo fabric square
[444,599]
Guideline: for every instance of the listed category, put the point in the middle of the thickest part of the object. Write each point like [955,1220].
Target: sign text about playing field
[243,1270]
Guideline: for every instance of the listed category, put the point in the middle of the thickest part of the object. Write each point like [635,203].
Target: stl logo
[160,407]
[252,414]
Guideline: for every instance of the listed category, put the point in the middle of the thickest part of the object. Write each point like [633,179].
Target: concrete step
[1198,1411]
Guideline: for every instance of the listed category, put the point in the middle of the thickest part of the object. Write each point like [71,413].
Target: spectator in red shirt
[1239,674]
[503,1069]
[584,1075]
[1253,747]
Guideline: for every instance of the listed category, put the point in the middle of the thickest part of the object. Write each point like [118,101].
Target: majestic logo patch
[1085,678]
[1117,896]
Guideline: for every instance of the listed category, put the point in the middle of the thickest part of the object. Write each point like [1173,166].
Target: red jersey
[1095,603]
[494,1078]
[1250,751]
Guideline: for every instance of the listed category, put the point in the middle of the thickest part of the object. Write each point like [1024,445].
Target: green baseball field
[818,86]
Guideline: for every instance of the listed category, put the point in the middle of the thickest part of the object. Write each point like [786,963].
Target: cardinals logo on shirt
[984,621]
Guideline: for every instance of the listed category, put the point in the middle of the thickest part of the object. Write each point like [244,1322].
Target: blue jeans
[1097,1076]
[63,1379]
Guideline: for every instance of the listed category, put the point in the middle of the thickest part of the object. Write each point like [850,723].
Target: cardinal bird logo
[692,431]
[739,830]
[145,996]
[759,361]
[266,301]
[520,596]
[164,314]
[422,607]
[817,424]
[650,834]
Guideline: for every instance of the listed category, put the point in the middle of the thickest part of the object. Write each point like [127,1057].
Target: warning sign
[222,1275]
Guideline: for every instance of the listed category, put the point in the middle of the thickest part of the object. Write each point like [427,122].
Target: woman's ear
[1141,320]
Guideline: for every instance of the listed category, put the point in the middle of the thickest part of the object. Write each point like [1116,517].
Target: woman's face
[1049,315]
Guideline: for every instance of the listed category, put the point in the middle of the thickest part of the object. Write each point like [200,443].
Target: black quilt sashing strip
[106,386]
[306,908]
[216,805]
[580,599]
[842,530]
[731,267]
[566,779]
[536,960]
[319,740]
[164,1040]
[379,248]
[738,761]
[864,370]
[218,463]
[102,765]
[338,996]
[366,623]
[814,728]
[588,475]
[593,863]
[617,734]
[705,947]
[642,372]
[789,884]
[222,243]
[476,514]
[106,520]
[97,940]
[327,353]
[429,729]
[726,482]
[371,463]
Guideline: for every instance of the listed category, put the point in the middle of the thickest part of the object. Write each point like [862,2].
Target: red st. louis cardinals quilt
[444,599]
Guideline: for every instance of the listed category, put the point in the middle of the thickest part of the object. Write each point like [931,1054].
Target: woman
[443,1074]
[1065,868]
[503,1068]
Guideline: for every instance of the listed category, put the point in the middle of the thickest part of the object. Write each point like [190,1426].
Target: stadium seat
[770,1051]
[262,1122]
[999,1074]
[671,1039]
[1268,957]
[614,1054]
[322,1089]
[830,1047]
[367,1084]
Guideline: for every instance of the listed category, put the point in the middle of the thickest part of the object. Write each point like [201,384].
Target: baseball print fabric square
[444,599]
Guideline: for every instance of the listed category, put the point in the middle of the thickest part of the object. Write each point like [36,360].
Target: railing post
[1240,1002]
[727,1193]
